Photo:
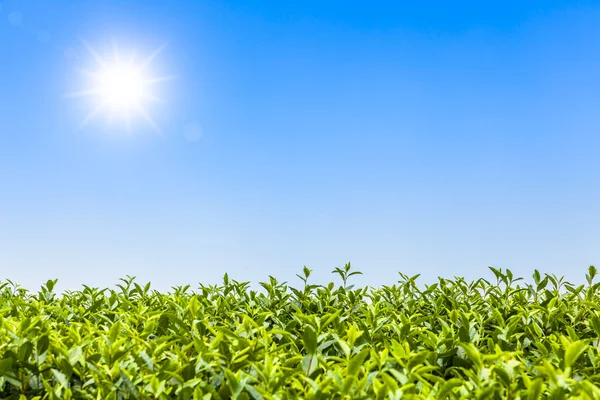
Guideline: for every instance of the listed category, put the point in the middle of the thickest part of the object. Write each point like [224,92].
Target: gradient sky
[425,137]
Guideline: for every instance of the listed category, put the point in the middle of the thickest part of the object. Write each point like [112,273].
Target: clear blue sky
[425,137]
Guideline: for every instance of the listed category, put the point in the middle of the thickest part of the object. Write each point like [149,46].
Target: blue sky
[422,137]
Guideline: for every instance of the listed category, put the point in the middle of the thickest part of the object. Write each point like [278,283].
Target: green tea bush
[449,340]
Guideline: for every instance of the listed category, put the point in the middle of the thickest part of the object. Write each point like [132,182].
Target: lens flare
[121,87]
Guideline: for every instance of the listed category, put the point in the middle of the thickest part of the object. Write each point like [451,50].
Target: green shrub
[449,340]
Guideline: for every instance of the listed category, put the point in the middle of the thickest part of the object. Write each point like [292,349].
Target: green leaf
[356,361]
[464,333]
[306,272]
[536,389]
[42,344]
[595,322]
[25,351]
[59,376]
[473,354]
[448,386]
[329,318]
[114,332]
[310,340]
[309,364]
[573,351]
[592,272]
[417,359]
[254,392]
[6,365]
[147,360]
[129,384]
[536,276]
[235,386]
[503,375]
[541,285]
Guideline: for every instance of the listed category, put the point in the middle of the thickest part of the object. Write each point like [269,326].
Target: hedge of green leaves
[453,339]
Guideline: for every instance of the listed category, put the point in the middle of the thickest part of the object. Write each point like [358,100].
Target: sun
[121,87]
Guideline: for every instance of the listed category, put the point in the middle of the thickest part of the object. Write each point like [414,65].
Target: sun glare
[121,87]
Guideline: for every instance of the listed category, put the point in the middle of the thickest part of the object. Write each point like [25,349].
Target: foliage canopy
[449,340]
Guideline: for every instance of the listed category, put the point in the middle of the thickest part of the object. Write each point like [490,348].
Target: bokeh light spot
[193,132]
[15,18]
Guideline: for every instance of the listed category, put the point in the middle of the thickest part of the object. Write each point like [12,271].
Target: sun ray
[150,58]
[160,79]
[132,57]
[140,109]
[92,114]
[83,93]
[94,53]
[88,73]
[153,98]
